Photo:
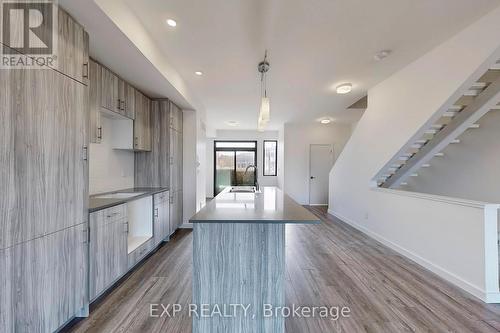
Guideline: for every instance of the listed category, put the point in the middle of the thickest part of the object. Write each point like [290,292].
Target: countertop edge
[150,191]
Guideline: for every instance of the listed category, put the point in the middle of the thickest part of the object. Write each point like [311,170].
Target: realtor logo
[29,33]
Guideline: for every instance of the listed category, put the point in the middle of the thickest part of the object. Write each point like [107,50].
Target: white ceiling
[313,46]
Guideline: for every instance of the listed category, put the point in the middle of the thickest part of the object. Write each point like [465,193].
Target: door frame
[235,150]
[332,151]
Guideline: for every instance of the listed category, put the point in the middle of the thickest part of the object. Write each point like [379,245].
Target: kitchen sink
[121,195]
[243,189]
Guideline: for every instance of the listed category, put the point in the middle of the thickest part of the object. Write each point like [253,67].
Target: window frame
[264,159]
[254,149]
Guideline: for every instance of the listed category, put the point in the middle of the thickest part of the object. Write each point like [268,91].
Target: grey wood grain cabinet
[107,248]
[126,99]
[44,154]
[72,48]
[161,215]
[152,169]
[108,89]
[142,122]
[95,127]
[175,208]
[43,282]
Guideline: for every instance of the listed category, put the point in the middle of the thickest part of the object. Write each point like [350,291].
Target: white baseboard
[448,276]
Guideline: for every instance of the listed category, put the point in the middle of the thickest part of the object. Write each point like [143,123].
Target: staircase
[482,97]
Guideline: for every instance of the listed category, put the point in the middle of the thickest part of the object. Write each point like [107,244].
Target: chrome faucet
[257,187]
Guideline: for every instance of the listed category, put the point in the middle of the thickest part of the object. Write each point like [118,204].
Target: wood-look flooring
[329,264]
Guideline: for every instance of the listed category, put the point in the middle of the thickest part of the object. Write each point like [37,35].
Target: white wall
[449,240]
[194,163]
[109,169]
[468,170]
[240,135]
[297,139]
[188,164]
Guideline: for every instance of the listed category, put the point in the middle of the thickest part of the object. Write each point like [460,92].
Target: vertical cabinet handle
[85,153]
[99,132]
[156,212]
[126,227]
[136,139]
[85,71]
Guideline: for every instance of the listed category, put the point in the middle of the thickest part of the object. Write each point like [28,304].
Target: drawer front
[139,253]
[115,213]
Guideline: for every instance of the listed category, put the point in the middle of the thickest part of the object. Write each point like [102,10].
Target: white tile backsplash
[110,169]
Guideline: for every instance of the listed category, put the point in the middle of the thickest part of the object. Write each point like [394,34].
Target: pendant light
[265,103]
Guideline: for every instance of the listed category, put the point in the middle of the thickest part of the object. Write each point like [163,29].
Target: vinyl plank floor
[330,264]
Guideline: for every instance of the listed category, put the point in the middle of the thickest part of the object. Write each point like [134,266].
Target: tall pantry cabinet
[176,174]
[44,175]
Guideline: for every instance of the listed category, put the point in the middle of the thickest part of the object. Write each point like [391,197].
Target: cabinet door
[43,282]
[42,155]
[130,101]
[71,48]
[142,123]
[108,252]
[157,223]
[95,130]
[179,207]
[146,139]
[120,103]
[138,122]
[165,221]
[109,89]
[172,213]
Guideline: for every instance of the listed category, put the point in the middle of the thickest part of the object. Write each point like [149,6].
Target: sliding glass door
[231,159]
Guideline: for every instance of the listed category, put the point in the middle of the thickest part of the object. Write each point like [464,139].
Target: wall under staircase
[469,169]
[454,238]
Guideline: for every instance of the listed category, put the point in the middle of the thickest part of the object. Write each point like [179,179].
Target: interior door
[321,162]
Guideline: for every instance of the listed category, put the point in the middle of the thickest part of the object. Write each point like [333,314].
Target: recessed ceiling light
[344,88]
[326,121]
[171,23]
[198,73]
[382,55]
[232,123]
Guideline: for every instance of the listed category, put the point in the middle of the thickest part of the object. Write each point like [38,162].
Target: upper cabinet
[175,117]
[126,99]
[72,48]
[142,123]
[108,89]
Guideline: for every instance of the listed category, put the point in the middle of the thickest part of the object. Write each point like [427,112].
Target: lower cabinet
[175,210]
[108,248]
[43,281]
[161,217]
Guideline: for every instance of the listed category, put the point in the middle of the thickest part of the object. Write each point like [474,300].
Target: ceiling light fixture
[325,121]
[344,88]
[198,73]
[232,123]
[171,23]
[265,103]
[382,55]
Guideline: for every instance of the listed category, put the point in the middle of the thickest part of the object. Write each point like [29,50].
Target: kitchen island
[239,260]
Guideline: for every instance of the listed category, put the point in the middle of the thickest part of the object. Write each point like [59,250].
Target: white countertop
[269,206]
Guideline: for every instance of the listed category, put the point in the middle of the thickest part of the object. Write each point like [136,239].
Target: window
[270,158]
[231,160]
